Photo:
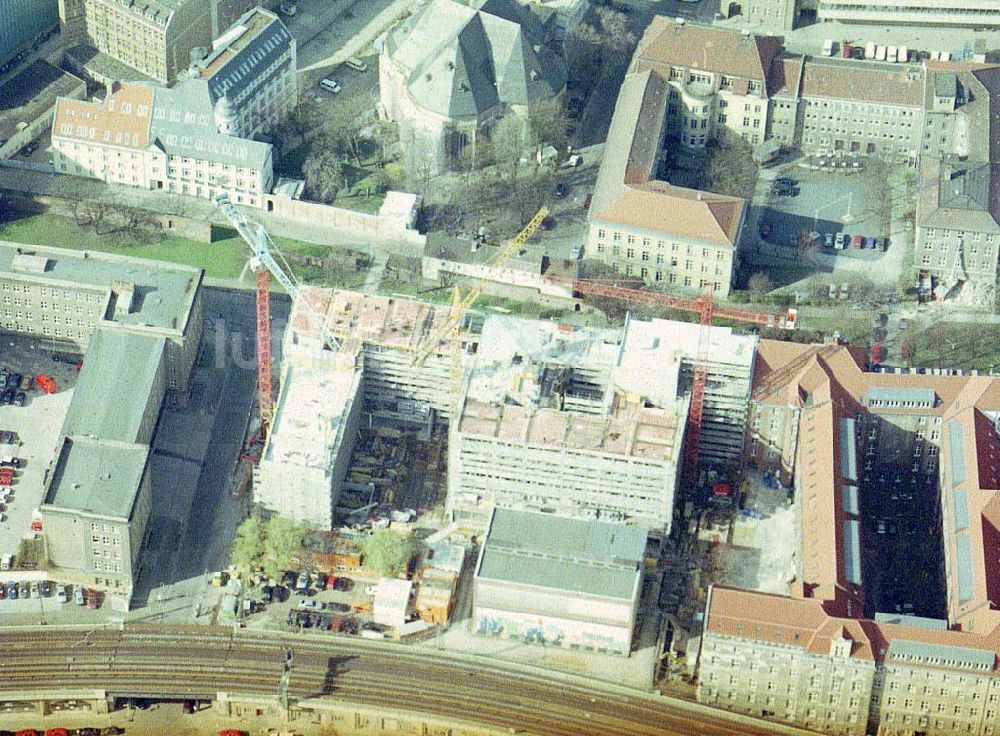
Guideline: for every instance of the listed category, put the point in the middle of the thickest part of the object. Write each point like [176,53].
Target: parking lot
[35,426]
[824,202]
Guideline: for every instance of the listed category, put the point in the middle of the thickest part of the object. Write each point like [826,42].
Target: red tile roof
[123,119]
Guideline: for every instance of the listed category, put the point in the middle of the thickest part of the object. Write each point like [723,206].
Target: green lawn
[950,345]
[222,259]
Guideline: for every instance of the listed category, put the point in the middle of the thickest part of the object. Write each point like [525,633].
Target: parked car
[841,241]
[15,381]
[828,240]
[46,588]
[785,181]
[344,584]
[319,581]
[266,594]
[339,607]
[859,242]
[20,398]
[561,190]
[61,593]
[78,596]
[288,579]
[12,592]
[23,589]
[93,602]
[302,582]
[7,397]
[310,604]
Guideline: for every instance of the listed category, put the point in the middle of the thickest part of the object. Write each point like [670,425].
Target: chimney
[124,293]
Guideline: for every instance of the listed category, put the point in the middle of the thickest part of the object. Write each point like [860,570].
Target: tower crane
[267,260]
[460,305]
[706,311]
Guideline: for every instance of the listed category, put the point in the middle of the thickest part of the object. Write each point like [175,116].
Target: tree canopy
[386,553]
[247,552]
[282,541]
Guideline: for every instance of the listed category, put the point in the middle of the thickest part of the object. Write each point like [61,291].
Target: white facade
[308,449]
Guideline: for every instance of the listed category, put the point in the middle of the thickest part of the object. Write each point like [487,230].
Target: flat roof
[165,292]
[543,550]
[114,385]
[32,92]
[97,476]
[310,414]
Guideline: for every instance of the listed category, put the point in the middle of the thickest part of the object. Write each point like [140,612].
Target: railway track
[189,662]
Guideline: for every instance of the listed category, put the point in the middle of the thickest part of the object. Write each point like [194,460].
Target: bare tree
[730,169]
[324,174]
[759,285]
[548,123]
[344,125]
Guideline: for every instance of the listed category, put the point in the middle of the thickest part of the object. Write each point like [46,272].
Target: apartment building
[957,218]
[970,13]
[66,295]
[550,580]
[551,421]
[154,37]
[650,229]
[794,661]
[159,138]
[250,72]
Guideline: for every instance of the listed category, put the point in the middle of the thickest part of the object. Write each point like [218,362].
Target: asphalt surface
[179,662]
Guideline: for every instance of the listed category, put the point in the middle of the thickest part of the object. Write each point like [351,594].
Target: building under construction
[552,420]
[386,367]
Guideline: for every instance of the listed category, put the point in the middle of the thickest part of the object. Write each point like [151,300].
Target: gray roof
[852,551]
[547,551]
[917,622]
[945,84]
[848,450]
[963,567]
[960,505]
[97,476]
[234,67]
[115,385]
[463,61]
[956,452]
[941,654]
[959,195]
[902,396]
[183,124]
[164,291]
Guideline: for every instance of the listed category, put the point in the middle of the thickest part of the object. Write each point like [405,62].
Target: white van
[904,54]
[880,53]
[5,562]
[870,50]
[891,54]
[828,47]
[356,64]
[330,85]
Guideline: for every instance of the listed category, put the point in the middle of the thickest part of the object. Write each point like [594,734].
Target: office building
[794,661]
[968,13]
[159,138]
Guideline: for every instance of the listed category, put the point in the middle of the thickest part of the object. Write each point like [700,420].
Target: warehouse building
[554,580]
